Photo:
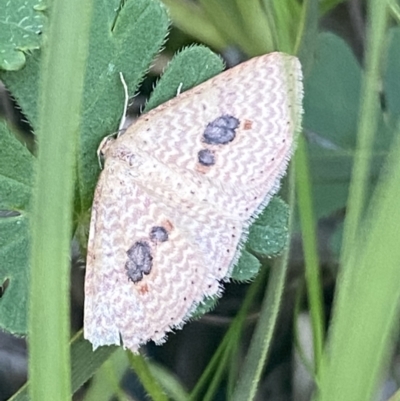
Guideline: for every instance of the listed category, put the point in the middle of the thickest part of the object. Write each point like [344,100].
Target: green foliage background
[340,100]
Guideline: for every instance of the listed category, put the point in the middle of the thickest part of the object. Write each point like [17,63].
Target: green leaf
[247,267]
[332,92]
[16,165]
[331,108]
[129,45]
[126,41]
[207,305]
[21,24]
[24,86]
[190,67]
[268,236]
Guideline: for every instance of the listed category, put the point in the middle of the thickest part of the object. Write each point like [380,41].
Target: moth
[177,194]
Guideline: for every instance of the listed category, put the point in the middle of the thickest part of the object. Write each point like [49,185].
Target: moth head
[105,144]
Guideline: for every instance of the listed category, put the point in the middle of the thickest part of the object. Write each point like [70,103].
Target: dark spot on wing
[140,261]
[221,131]
[158,234]
[206,157]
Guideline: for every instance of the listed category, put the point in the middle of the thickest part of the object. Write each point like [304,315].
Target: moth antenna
[101,149]
[178,91]
[123,118]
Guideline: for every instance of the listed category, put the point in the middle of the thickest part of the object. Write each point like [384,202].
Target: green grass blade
[107,381]
[61,93]
[169,382]
[363,333]
[368,294]
[84,364]
[367,126]
[142,369]
[394,9]
[228,343]
[309,237]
